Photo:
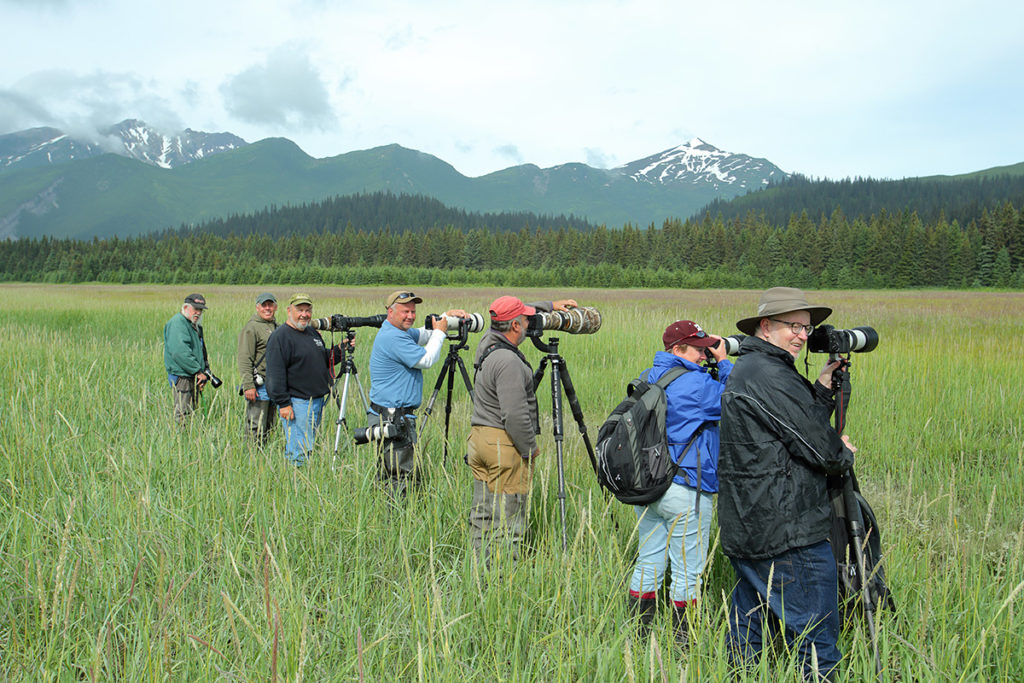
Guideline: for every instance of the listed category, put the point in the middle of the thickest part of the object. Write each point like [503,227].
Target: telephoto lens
[579,320]
[340,323]
[732,343]
[474,322]
[388,430]
[827,339]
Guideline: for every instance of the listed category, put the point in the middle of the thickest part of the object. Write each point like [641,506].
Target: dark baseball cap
[197,301]
[685,332]
[265,297]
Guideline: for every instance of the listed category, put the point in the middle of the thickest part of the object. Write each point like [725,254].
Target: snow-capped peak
[696,162]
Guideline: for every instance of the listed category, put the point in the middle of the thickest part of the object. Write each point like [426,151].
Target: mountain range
[133,179]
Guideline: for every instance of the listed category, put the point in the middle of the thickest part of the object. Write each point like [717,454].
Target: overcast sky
[829,89]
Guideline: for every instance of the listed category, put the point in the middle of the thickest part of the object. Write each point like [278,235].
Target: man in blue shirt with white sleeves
[399,356]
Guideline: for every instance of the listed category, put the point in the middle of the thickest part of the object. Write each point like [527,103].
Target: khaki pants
[260,417]
[186,398]
[501,492]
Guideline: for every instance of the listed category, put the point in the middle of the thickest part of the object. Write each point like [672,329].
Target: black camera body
[342,323]
[214,380]
[828,339]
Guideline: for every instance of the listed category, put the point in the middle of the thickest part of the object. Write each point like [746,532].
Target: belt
[398,412]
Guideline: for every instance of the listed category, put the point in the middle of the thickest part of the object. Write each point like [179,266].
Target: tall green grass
[130,549]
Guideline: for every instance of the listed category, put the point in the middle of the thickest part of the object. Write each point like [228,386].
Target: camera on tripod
[473,322]
[578,320]
[341,323]
[388,430]
[827,339]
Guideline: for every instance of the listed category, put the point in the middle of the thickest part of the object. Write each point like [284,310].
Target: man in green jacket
[185,356]
[252,366]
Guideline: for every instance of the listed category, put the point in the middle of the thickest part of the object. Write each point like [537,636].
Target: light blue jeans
[676,528]
[299,433]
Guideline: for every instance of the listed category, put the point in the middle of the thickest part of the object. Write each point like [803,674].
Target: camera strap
[498,344]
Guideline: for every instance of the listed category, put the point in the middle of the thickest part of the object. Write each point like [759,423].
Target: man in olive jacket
[252,366]
[777,446]
[503,439]
[185,356]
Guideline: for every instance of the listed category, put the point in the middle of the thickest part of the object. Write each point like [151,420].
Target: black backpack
[633,460]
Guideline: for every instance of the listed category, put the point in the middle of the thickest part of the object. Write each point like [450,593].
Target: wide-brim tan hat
[779,300]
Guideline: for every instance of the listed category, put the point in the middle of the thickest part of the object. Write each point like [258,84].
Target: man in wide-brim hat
[777,446]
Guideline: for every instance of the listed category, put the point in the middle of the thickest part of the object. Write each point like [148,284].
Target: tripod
[456,344]
[560,377]
[348,368]
[863,576]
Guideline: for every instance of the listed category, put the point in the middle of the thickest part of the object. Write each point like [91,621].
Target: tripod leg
[340,422]
[577,411]
[465,377]
[433,396]
[556,415]
[855,528]
[450,374]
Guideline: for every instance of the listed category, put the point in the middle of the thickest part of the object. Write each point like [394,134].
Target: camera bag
[633,460]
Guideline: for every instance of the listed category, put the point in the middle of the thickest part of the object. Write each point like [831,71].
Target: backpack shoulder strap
[671,376]
[663,382]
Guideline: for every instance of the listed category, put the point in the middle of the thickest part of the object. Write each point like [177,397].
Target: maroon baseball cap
[685,332]
[508,308]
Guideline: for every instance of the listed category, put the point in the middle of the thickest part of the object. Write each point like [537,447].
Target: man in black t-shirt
[299,377]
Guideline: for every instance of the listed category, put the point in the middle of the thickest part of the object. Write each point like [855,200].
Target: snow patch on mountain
[697,162]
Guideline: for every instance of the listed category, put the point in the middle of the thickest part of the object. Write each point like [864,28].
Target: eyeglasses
[795,328]
[405,295]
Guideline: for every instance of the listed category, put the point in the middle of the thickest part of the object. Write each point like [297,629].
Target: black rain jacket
[777,446]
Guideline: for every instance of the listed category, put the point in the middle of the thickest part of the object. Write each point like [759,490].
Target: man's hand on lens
[563,304]
[440,323]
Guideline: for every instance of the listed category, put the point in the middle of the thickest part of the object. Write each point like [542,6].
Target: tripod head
[551,347]
[347,346]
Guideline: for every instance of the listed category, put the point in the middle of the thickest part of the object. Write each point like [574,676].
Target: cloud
[83,104]
[597,158]
[286,90]
[18,111]
[510,152]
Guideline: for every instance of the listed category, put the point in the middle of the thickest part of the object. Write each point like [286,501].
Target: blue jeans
[676,528]
[299,433]
[802,603]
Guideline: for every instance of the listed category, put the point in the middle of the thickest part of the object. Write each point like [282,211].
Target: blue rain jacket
[693,399]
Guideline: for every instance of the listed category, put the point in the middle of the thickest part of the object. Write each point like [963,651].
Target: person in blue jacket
[677,527]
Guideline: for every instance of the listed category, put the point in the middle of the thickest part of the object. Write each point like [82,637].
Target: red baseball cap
[509,307]
[685,332]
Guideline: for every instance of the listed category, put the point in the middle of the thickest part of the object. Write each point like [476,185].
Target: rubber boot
[643,610]
[681,622]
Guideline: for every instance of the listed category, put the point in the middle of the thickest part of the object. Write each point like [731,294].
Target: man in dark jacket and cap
[777,446]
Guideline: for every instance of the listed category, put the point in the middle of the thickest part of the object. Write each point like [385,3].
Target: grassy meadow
[131,550]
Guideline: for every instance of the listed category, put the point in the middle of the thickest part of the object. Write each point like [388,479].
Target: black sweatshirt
[297,365]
